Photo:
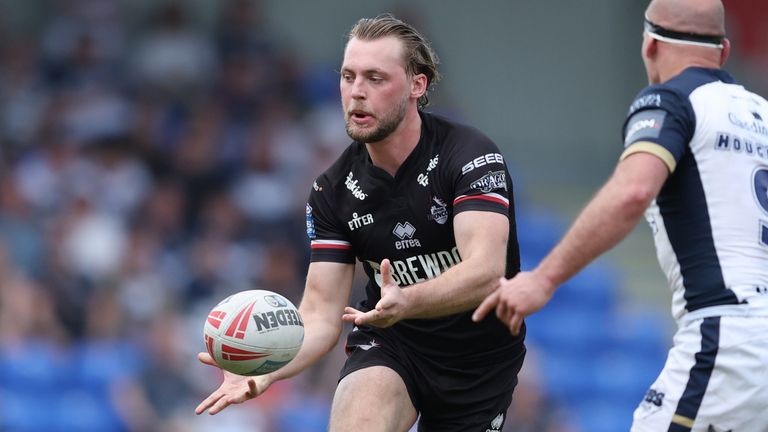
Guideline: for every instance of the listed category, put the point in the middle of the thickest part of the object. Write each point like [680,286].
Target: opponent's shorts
[715,379]
[454,395]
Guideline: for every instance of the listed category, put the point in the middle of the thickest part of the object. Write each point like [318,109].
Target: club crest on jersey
[356,190]
[423,178]
[359,221]
[405,232]
[439,211]
[491,181]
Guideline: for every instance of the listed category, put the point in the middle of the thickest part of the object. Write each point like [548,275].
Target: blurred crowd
[145,174]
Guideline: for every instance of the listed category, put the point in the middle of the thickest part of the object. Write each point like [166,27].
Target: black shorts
[461,395]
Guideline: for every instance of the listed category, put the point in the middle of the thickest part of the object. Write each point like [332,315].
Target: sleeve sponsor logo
[493,180]
[316,186]
[487,159]
[644,125]
[652,100]
[310,223]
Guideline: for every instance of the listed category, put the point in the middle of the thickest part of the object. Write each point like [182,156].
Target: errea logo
[405,232]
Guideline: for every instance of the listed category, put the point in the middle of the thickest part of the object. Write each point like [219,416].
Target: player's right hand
[234,389]
[516,298]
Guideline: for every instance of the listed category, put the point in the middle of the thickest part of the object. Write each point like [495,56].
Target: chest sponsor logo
[423,178]
[487,159]
[493,180]
[310,223]
[439,211]
[351,184]
[405,232]
[359,221]
[753,122]
[418,268]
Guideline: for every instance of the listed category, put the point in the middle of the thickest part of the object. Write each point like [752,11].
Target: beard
[387,124]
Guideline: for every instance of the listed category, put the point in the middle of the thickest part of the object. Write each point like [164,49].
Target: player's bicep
[644,170]
[481,237]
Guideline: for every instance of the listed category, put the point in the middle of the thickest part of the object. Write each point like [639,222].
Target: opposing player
[426,205]
[696,158]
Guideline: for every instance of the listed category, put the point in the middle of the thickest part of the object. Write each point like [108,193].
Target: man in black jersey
[426,205]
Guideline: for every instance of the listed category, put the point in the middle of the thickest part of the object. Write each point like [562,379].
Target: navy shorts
[450,394]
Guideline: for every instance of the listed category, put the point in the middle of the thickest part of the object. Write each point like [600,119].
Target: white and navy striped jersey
[710,219]
[357,210]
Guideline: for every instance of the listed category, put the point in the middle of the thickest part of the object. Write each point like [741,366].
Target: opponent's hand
[234,390]
[516,298]
[388,310]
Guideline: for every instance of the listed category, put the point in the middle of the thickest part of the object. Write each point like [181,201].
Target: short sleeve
[660,121]
[328,240]
[480,176]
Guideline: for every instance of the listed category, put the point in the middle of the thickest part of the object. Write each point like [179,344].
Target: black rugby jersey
[357,210]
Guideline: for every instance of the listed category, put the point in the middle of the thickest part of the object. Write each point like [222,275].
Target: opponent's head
[388,67]
[681,33]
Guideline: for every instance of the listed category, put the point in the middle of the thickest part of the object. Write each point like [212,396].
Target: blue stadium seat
[598,414]
[304,414]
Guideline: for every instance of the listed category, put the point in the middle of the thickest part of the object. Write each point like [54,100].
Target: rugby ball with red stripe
[253,332]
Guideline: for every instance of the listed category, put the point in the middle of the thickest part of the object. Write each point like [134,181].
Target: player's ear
[650,46]
[419,84]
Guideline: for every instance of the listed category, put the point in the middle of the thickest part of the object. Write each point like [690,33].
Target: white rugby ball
[253,332]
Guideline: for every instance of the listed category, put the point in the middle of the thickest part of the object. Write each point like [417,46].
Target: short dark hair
[419,56]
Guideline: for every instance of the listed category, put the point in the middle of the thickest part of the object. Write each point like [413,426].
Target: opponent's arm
[326,293]
[481,238]
[604,222]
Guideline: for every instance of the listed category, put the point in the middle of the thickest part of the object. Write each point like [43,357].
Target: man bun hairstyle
[420,58]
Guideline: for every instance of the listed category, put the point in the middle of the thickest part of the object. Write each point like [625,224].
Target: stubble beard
[387,124]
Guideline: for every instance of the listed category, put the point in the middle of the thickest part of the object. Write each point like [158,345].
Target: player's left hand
[516,298]
[388,310]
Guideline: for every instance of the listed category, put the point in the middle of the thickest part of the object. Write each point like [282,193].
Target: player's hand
[516,298]
[234,390]
[388,310]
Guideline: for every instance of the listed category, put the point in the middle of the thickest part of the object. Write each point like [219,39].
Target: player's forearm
[604,222]
[320,336]
[460,288]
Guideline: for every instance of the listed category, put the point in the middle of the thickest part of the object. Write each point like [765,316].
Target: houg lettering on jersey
[271,320]
[419,268]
